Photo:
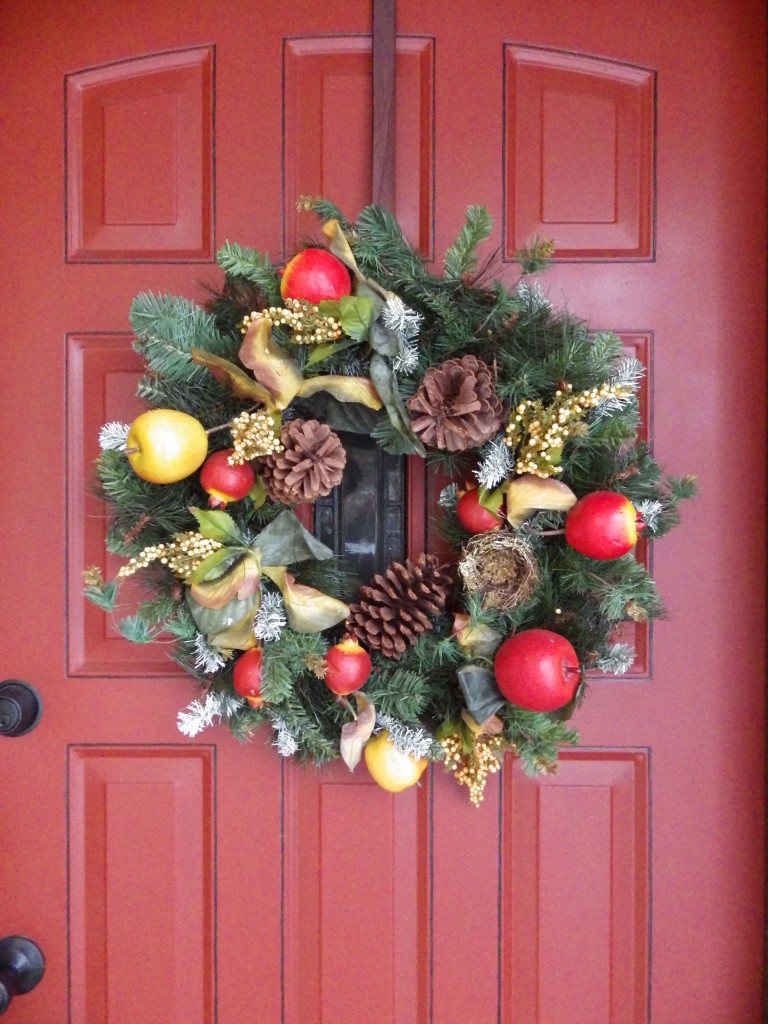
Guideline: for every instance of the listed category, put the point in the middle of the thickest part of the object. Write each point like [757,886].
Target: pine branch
[461,257]
[238,261]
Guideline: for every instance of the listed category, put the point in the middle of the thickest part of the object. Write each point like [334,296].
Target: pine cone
[456,406]
[310,465]
[396,608]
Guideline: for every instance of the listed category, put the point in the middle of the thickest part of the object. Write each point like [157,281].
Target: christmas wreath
[458,655]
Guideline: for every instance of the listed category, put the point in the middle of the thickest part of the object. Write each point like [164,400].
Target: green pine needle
[461,257]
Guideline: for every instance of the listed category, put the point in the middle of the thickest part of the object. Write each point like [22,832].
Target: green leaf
[355,316]
[285,540]
[258,493]
[330,307]
[214,524]
[213,561]
[331,348]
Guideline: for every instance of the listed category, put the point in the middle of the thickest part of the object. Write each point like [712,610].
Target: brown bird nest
[499,566]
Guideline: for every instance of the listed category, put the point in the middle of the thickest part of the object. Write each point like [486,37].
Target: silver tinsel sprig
[448,498]
[113,435]
[414,742]
[270,618]
[627,377]
[207,659]
[407,358]
[650,511]
[496,464]
[398,317]
[618,660]
[285,741]
[532,295]
[200,714]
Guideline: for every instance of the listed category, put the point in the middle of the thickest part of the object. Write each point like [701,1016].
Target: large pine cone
[397,607]
[310,465]
[456,406]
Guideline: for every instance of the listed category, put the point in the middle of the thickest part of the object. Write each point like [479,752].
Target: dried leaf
[344,389]
[339,246]
[306,609]
[529,493]
[274,370]
[232,376]
[355,734]
[478,641]
[239,637]
[240,582]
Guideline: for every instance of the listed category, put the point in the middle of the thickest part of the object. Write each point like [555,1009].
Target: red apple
[347,666]
[223,482]
[474,517]
[537,670]
[246,676]
[314,275]
[602,524]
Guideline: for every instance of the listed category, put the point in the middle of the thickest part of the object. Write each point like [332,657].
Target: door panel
[204,880]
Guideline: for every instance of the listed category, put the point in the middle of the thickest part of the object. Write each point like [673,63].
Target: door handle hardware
[20,708]
[21,968]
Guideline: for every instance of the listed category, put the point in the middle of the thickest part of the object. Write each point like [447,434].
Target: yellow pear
[165,445]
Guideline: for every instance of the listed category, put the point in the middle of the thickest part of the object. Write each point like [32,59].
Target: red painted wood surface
[201,880]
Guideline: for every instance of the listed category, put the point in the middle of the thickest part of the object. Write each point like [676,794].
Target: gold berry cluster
[539,431]
[182,556]
[472,767]
[308,325]
[253,437]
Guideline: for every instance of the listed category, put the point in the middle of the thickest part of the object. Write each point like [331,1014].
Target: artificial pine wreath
[456,658]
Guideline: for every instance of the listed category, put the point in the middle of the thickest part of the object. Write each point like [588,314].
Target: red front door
[201,880]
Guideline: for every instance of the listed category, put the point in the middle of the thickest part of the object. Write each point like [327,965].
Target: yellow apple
[165,445]
[390,767]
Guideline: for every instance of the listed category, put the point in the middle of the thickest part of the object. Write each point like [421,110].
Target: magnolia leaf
[213,621]
[286,540]
[481,694]
[355,734]
[306,609]
[339,416]
[239,637]
[384,340]
[345,389]
[528,493]
[378,301]
[478,641]
[276,371]
[240,582]
[355,316]
[212,562]
[385,382]
[339,246]
[213,524]
[229,374]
